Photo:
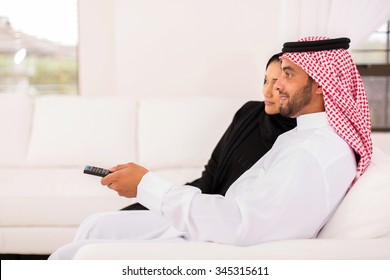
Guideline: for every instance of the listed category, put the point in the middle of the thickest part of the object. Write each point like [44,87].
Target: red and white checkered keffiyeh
[346,102]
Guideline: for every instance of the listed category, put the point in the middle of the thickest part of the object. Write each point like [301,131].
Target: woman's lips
[268,103]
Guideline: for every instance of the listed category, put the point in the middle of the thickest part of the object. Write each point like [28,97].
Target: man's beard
[298,101]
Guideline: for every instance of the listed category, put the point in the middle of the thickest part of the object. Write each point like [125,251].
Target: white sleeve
[291,199]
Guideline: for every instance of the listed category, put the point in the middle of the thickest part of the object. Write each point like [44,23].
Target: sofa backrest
[182,131]
[365,210]
[15,121]
[381,140]
[76,130]
[65,131]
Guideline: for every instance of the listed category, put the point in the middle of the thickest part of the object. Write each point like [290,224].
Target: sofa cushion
[48,197]
[69,131]
[365,211]
[184,131]
[15,122]
[295,249]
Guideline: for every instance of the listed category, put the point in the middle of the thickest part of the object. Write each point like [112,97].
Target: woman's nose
[267,91]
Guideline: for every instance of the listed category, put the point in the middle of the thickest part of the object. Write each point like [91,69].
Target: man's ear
[318,89]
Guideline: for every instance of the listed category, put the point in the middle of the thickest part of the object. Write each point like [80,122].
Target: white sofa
[47,141]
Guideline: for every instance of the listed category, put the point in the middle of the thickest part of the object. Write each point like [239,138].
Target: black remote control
[97,171]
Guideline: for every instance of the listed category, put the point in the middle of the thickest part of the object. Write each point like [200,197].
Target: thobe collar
[310,121]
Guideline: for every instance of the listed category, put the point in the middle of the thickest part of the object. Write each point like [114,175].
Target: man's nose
[277,85]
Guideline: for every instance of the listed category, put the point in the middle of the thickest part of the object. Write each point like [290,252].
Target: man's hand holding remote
[125,178]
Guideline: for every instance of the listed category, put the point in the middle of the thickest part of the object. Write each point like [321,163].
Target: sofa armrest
[318,249]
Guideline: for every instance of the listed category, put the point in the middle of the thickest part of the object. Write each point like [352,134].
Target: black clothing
[250,135]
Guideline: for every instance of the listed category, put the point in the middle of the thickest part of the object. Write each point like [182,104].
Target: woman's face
[271,95]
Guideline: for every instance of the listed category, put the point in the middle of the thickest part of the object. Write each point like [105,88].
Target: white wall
[203,47]
[175,47]
[183,47]
[96,47]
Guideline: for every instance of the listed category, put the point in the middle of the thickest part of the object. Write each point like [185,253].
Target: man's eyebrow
[288,68]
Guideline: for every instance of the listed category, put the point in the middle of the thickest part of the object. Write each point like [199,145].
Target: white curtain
[355,19]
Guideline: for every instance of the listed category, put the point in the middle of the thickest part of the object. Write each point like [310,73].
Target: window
[373,61]
[38,47]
